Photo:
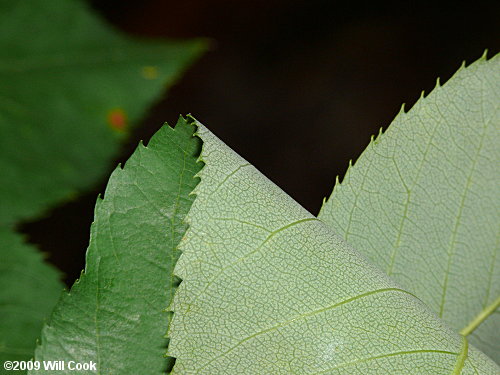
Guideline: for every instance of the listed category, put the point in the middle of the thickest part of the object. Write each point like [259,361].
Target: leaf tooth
[324,198]
[438,83]
[336,186]
[178,270]
[402,110]
[375,139]
[484,55]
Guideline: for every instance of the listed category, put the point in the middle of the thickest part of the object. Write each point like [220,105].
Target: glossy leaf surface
[115,315]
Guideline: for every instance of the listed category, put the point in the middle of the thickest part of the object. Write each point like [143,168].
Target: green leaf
[269,289]
[29,289]
[115,315]
[70,88]
[422,202]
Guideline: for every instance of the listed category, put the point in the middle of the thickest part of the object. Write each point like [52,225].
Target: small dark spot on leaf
[117,119]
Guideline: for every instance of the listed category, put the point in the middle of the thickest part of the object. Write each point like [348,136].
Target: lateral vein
[481,317]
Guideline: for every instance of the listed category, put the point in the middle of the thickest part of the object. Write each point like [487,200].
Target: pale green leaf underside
[269,289]
[422,202]
[62,73]
[29,289]
[115,315]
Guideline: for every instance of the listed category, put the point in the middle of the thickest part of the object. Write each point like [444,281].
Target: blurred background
[295,87]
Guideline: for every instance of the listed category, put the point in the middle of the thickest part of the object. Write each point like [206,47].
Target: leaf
[29,289]
[268,289]
[115,315]
[422,202]
[66,81]
[70,88]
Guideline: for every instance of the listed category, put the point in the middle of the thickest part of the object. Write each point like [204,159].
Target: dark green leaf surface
[29,289]
[115,315]
[269,289]
[70,88]
[422,202]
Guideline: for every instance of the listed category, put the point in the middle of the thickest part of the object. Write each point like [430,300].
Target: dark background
[295,87]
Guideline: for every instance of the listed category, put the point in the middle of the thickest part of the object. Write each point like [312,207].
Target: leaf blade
[70,89]
[421,202]
[118,305]
[267,288]
[29,289]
